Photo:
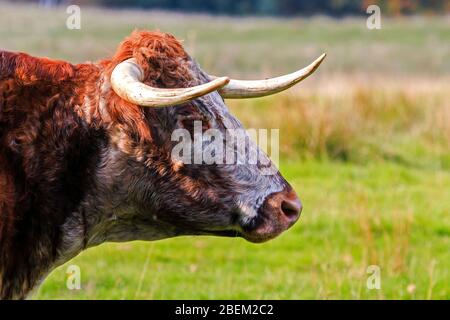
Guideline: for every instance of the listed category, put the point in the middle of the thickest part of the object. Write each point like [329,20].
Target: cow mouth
[277,214]
[262,233]
[260,229]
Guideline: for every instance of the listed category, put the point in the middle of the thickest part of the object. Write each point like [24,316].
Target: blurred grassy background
[365,142]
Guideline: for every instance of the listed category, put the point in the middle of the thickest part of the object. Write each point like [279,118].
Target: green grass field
[354,216]
[365,142]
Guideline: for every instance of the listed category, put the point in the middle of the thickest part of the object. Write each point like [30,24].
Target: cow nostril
[291,208]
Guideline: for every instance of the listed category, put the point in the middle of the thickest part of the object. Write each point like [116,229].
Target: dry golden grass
[352,118]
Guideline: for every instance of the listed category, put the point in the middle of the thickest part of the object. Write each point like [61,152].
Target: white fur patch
[247,213]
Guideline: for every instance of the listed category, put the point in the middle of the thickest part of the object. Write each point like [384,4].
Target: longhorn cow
[85,157]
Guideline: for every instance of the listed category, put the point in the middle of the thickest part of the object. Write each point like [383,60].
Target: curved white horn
[126,81]
[238,89]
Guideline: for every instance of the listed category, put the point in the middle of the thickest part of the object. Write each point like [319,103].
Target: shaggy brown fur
[50,112]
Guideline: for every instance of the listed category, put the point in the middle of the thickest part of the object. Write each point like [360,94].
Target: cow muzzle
[278,213]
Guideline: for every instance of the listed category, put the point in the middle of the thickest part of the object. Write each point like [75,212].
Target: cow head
[161,187]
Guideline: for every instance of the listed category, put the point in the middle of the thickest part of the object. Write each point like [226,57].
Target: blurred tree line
[272,7]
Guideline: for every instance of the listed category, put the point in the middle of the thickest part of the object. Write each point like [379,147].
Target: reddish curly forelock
[160,55]
[165,64]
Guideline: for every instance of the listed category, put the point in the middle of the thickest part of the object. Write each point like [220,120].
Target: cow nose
[285,205]
[291,208]
[279,211]
[289,205]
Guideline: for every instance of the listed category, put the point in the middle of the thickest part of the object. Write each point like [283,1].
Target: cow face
[170,188]
[206,182]
[173,188]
